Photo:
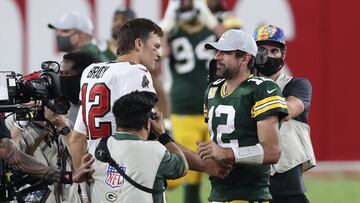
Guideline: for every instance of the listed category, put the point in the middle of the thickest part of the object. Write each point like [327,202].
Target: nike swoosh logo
[271,91]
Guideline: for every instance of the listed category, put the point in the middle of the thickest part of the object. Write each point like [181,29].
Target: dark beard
[227,74]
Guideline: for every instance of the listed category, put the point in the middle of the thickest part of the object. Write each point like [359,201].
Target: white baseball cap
[73,20]
[234,39]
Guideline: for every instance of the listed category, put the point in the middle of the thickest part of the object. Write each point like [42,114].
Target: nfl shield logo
[113,178]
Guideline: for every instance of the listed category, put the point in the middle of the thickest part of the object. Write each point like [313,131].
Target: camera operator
[22,162]
[146,162]
[45,141]
[71,68]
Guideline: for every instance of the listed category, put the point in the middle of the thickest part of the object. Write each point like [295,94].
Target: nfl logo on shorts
[113,178]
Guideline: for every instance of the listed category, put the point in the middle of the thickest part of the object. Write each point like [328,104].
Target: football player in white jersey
[103,83]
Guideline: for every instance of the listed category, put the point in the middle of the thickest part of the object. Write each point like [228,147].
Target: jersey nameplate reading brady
[97,71]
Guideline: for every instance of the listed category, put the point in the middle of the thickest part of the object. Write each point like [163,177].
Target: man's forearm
[193,159]
[174,148]
[211,167]
[78,147]
[268,133]
[22,162]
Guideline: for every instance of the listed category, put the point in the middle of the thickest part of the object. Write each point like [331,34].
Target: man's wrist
[165,138]
[249,155]
[66,177]
[65,130]
[229,155]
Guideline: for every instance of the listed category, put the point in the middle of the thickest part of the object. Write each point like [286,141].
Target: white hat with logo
[235,39]
[73,20]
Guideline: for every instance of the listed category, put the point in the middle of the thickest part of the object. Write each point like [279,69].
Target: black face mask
[70,87]
[272,66]
[64,43]
[265,65]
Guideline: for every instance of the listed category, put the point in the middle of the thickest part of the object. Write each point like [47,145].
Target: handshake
[176,7]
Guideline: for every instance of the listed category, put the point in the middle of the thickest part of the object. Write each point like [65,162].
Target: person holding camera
[148,163]
[46,140]
[243,114]
[39,138]
[71,69]
[286,182]
[13,157]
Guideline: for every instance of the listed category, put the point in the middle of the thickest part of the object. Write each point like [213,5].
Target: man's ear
[138,44]
[246,59]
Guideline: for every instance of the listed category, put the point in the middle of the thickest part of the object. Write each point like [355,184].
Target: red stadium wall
[325,51]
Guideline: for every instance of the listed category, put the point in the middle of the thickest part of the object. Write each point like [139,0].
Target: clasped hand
[216,159]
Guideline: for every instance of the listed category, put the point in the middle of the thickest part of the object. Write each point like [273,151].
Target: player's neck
[131,57]
[233,83]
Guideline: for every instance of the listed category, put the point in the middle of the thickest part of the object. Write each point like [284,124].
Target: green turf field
[319,191]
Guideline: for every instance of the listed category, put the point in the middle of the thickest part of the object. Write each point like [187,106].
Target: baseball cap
[73,20]
[265,33]
[126,11]
[234,39]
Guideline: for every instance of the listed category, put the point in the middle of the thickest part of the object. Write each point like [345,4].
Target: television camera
[16,91]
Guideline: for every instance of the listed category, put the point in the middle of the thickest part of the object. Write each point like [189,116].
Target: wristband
[249,155]
[66,177]
[65,130]
[165,138]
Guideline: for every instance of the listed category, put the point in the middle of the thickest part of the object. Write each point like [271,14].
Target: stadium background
[322,38]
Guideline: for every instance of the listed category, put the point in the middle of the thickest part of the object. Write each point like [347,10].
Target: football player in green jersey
[188,61]
[297,154]
[120,17]
[243,114]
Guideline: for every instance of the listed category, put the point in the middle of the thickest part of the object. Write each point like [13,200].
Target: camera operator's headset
[102,154]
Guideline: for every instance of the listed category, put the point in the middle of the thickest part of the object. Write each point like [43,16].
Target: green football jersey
[92,49]
[232,122]
[189,68]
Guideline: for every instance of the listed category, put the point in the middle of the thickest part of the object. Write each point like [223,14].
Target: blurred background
[322,42]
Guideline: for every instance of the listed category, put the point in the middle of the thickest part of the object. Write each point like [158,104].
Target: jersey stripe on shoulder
[268,104]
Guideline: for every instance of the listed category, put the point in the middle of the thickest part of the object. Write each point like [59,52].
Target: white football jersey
[101,85]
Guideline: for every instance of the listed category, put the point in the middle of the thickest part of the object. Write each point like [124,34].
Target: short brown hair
[239,54]
[133,29]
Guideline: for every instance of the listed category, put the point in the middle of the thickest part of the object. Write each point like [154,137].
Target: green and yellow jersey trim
[267,104]
[223,90]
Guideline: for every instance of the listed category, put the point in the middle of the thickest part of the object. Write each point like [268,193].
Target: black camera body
[42,85]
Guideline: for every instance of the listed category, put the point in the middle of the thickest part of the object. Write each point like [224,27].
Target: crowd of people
[242,122]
